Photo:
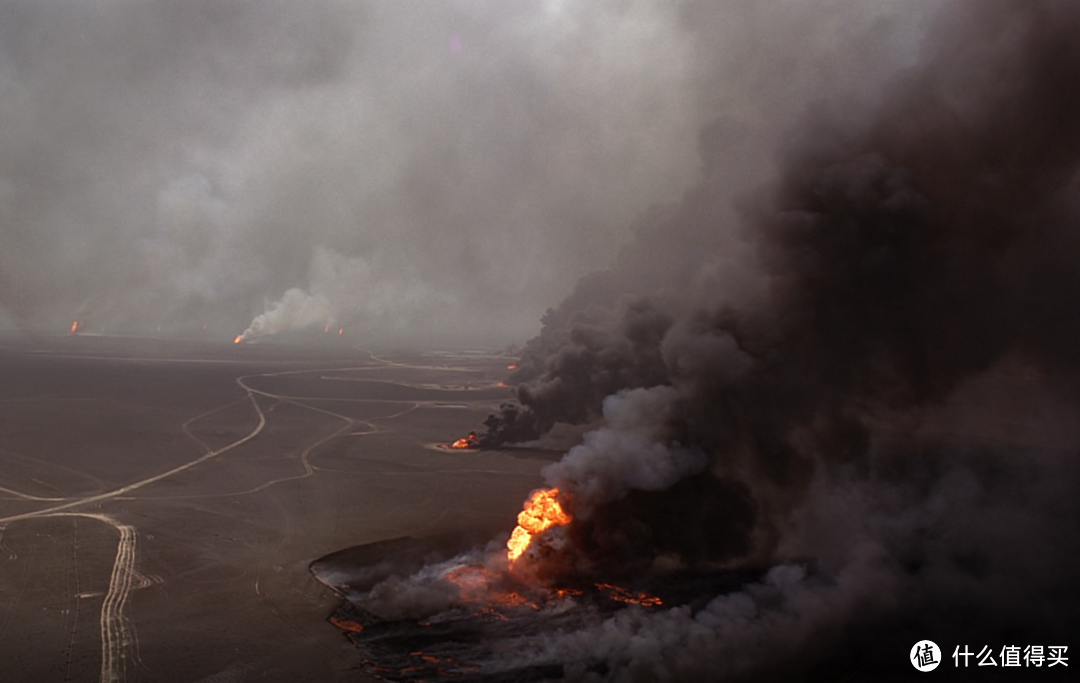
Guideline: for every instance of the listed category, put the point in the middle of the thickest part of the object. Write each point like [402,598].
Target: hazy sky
[427,173]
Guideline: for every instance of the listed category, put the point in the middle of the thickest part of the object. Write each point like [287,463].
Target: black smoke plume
[878,402]
[581,357]
[906,249]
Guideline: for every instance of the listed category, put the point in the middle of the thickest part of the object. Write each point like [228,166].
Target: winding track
[157,477]
[118,643]
[116,634]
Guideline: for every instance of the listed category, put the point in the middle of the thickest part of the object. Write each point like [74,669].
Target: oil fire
[75,327]
[347,624]
[542,511]
[491,601]
[470,441]
[620,594]
[238,339]
[479,587]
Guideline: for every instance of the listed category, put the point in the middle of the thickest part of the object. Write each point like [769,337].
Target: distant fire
[541,512]
[511,367]
[75,327]
[341,330]
[239,339]
[467,442]
[326,329]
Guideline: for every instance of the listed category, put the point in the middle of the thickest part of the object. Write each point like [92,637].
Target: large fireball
[542,511]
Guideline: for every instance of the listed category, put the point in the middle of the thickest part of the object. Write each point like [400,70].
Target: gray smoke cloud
[628,453]
[832,319]
[185,163]
[860,373]
[349,288]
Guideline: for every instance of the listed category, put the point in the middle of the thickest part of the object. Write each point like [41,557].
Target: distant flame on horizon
[75,327]
[238,339]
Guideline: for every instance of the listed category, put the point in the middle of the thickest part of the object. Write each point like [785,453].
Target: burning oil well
[806,466]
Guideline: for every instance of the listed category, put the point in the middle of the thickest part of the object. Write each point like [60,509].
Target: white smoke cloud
[350,290]
[295,310]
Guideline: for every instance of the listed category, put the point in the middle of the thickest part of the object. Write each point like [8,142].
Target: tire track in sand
[116,631]
[117,635]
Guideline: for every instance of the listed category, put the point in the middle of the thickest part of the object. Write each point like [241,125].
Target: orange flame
[238,339]
[341,330]
[326,329]
[470,441]
[478,586]
[74,327]
[541,512]
[620,594]
[347,624]
[511,367]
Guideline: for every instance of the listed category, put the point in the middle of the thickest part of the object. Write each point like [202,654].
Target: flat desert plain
[161,501]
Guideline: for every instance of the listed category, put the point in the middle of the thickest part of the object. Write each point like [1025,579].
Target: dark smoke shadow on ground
[465,639]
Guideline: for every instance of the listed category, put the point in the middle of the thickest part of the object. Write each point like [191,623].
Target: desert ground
[161,501]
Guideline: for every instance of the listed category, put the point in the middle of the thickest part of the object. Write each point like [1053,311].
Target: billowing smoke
[874,394]
[908,247]
[581,357]
[629,453]
[296,310]
[350,291]
[178,163]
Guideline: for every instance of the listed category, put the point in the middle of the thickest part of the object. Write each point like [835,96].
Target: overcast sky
[424,173]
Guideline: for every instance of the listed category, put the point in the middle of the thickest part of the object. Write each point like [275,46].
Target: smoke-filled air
[421,174]
[829,393]
[818,265]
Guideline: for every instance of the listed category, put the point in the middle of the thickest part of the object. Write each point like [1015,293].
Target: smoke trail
[296,309]
[347,290]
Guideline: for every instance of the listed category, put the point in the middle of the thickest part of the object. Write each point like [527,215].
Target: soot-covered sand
[161,502]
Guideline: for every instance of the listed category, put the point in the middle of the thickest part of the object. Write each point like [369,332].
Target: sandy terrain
[160,502]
